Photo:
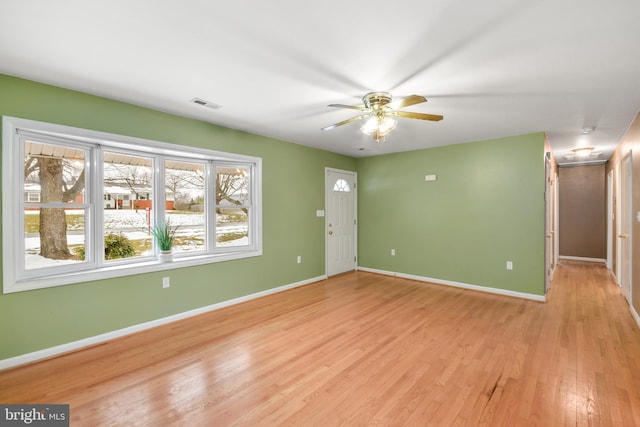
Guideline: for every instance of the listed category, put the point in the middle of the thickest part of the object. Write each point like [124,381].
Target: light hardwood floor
[364,349]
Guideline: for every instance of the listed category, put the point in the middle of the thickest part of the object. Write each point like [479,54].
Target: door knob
[330,231]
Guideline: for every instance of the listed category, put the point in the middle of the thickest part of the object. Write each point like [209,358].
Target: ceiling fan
[380,111]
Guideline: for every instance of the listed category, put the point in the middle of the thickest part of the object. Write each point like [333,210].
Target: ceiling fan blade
[350,107]
[406,101]
[344,122]
[421,116]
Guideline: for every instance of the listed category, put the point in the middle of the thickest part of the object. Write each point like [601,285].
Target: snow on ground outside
[135,227]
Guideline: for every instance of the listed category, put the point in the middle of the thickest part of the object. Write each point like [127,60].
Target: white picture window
[81,205]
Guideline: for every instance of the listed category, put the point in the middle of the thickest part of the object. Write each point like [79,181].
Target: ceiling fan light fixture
[378,111]
[379,126]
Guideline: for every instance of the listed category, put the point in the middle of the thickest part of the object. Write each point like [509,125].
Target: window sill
[123,270]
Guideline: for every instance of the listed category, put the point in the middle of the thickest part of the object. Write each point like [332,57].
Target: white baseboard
[505,292]
[579,258]
[613,276]
[635,315]
[76,345]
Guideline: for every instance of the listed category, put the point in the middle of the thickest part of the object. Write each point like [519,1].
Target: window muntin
[89,215]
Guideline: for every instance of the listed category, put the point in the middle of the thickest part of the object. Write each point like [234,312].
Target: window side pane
[54,178]
[233,184]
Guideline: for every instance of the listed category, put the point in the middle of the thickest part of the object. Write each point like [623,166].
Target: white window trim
[12,164]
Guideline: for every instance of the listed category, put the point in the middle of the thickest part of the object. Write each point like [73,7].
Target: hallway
[590,348]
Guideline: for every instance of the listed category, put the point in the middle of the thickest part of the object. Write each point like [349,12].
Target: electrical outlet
[509,265]
[166,282]
[393,252]
[299,259]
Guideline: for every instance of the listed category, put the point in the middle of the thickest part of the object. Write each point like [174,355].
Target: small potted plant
[164,235]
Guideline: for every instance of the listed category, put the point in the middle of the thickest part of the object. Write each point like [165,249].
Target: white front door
[625,227]
[341,225]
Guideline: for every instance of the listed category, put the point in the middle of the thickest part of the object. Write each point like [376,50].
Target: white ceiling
[493,68]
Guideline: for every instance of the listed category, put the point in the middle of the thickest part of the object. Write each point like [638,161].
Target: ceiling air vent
[204,103]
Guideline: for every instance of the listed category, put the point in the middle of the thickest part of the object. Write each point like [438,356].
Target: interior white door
[341,225]
[625,226]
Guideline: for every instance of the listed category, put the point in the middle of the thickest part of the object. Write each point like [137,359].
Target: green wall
[485,208]
[293,189]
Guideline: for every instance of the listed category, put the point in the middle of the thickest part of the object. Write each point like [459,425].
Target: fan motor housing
[376,100]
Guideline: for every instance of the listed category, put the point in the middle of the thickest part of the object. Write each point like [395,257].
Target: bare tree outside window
[59,172]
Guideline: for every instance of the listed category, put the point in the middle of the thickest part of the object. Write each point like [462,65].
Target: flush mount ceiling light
[583,152]
[587,130]
[380,110]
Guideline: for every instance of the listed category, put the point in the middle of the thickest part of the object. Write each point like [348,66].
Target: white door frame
[610,219]
[548,224]
[626,226]
[618,271]
[327,205]
[556,222]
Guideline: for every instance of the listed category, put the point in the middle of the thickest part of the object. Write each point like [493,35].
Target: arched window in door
[341,185]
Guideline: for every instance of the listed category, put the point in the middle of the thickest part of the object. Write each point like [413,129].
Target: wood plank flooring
[364,349]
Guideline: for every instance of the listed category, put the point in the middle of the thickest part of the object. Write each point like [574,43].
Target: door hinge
[355,222]
[355,259]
